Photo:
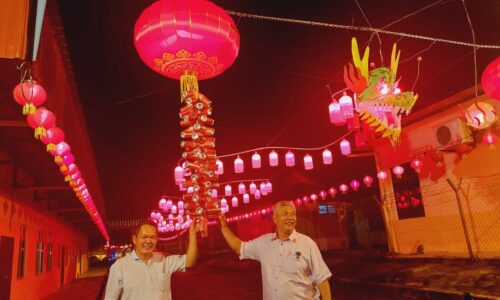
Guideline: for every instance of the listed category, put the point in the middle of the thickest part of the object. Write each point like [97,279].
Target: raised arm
[192,249]
[232,240]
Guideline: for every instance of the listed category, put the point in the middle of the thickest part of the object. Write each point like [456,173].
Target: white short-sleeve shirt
[291,269]
[132,279]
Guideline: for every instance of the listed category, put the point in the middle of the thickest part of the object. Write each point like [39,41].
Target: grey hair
[281,203]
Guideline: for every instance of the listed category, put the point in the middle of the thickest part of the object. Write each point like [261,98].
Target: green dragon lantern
[380,102]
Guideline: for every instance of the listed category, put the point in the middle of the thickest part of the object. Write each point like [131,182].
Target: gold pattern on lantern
[174,65]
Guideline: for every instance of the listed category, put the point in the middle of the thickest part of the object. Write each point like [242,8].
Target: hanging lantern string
[288,148]
[244,180]
[358,28]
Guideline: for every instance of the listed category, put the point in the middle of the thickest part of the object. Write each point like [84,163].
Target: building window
[39,254]
[22,253]
[49,255]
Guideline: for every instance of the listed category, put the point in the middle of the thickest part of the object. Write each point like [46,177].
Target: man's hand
[223,221]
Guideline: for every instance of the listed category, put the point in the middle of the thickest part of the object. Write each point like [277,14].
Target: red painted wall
[16,211]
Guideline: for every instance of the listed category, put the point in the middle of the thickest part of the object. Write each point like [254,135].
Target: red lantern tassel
[40,132]
[29,109]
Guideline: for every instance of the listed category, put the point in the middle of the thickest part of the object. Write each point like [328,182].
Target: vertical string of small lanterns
[31,96]
[199,154]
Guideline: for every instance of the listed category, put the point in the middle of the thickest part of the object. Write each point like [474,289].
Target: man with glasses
[142,275]
[291,263]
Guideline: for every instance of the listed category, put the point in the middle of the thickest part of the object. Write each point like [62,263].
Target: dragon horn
[394,60]
[362,64]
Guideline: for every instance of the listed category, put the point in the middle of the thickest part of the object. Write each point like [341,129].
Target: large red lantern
[490,80]
[30,95]
[175,37]
[41,120]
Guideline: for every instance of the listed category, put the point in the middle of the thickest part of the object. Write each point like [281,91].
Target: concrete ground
[356,275]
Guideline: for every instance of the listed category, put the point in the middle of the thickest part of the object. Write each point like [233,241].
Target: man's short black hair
[135,230]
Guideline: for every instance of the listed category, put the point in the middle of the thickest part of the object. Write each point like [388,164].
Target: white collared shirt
[291,269]
[131,278]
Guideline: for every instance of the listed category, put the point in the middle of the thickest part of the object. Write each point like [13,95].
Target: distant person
[142,275]
[291,263]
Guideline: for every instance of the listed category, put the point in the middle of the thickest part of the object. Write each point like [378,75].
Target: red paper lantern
[368,180]
[398,171]
[490,80]
[53,136]
[41,120]
[322,195]
[490,139]
[382,175]
[416,165]
[175,36]
[30,95]
[355,184]
[332,191]
[344,188]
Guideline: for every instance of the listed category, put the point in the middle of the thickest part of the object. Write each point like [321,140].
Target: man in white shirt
[142,276]
[291,263]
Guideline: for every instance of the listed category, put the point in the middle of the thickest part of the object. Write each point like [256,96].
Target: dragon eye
[397,91]
[384,90]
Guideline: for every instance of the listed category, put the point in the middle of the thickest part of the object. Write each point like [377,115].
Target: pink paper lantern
[314,197]
[308,162]
[228,190]
[256,162]
[382,175]
[180,204]
[368,180]
[246,198]
[290,159]
[234,202]
[490,79]
[273,159]
[322,195]
[257,194]
[223,202]
[241,188]
[355,184]
[332,191]
[220,167]
[346,106]
[169,204]
[306,199]
[174,36]
[162,203]
[269,187]
[398,171]
[343,188]
[345,147]
[238,165]
[416,164]
[263,188]
[327,157]
[489,139]
[178,174]
[336,116]
[253,188]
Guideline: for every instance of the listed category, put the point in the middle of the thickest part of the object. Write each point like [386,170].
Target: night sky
[273,95]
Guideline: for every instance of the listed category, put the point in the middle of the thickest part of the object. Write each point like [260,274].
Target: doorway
[6,258]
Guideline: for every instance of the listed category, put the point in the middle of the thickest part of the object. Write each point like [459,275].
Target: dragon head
[381,103]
